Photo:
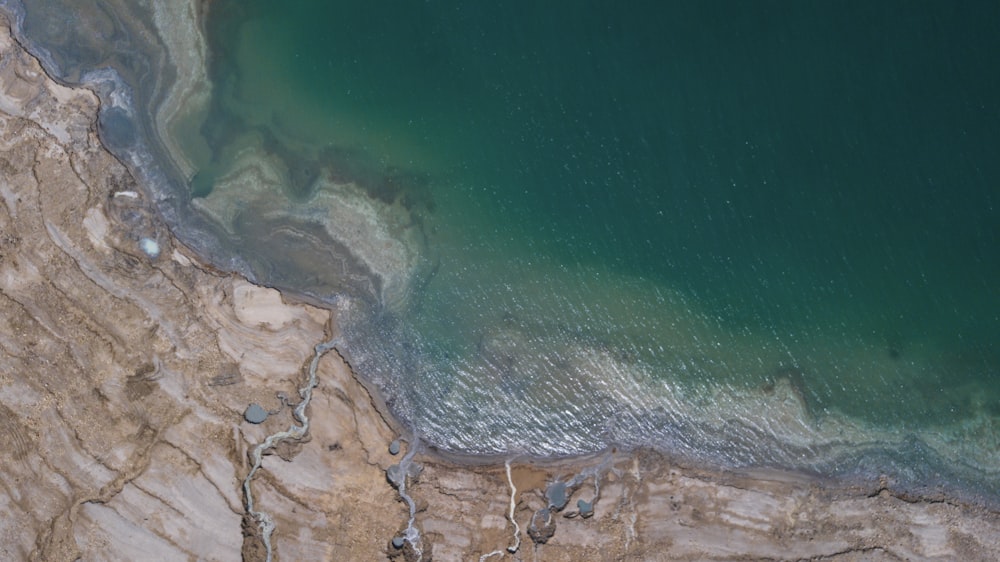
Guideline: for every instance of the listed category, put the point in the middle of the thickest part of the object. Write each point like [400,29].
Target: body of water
[745,233]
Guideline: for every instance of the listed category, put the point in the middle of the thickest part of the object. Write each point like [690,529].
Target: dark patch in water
[993,408]
[301,170]
[220,129]
[410,189]
[390,185]
[301,255]
[117,130]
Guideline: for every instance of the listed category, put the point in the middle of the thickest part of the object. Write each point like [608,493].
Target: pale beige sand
[123,380]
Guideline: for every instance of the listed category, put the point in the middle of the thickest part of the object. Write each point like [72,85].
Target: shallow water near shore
[749,235]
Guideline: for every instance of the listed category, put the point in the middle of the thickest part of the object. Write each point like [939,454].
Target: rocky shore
[127,368]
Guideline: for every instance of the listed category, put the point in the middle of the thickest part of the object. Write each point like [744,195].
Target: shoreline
[197,11]
[799,437]
[126,375]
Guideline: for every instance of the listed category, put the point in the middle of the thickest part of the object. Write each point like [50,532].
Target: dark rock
[255,414]
[410,549]
[557,496]
[395,475]
[542,526]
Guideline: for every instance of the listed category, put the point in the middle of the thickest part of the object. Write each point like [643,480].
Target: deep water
[745,233]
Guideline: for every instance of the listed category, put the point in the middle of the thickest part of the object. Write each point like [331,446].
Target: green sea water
[691,201]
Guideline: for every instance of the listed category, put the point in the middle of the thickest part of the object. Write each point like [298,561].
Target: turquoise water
[749,232]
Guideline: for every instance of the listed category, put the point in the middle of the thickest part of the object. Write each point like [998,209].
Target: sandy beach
[126,370]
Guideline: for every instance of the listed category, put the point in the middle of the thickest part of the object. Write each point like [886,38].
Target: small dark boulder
[255,414]
[412,549]
[395,475]
[542,526]
[557,495]
[586,508]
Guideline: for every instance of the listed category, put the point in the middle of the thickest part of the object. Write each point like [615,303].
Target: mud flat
[126,369]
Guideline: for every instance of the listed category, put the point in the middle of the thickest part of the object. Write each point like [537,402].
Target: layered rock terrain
[126,367]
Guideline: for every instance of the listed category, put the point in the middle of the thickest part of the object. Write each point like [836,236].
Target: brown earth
[123,381]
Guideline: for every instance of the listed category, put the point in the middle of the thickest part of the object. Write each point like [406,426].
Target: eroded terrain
[125,374]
